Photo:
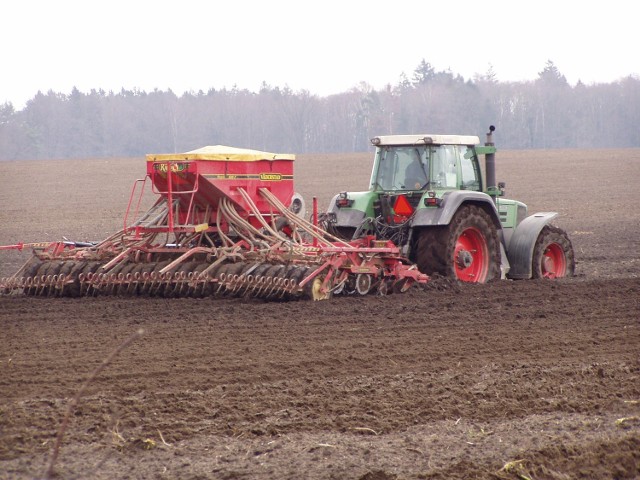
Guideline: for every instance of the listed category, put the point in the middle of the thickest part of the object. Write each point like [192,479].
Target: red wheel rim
[471,256]
[553,263]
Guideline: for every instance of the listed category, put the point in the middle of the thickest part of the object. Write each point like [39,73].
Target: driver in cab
[415,176]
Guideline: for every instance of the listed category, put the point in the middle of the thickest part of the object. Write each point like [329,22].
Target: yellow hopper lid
[221,153]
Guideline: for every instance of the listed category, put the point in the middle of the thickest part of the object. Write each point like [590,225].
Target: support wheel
[468,249]
[553,255]
[314,291]
[364,282]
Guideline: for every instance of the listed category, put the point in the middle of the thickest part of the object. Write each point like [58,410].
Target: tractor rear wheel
[553,255]
[468,249]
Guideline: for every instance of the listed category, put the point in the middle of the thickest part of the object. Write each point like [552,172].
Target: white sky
[325,47]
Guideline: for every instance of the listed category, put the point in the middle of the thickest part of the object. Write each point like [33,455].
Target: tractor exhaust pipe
[490,161]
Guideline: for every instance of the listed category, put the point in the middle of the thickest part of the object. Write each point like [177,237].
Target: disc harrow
[242,279]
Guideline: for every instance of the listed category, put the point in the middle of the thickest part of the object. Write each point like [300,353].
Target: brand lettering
[270,176]
[175,167]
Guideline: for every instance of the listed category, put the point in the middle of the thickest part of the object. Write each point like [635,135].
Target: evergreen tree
[543,113]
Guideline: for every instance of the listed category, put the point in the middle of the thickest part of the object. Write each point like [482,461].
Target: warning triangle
[402,206]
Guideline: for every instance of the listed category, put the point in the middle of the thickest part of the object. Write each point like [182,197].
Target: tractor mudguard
[520,248]
[451,202]
[349,218]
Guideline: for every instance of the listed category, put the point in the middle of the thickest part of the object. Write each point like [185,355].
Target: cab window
[400,168]
[444,161]
[469,170]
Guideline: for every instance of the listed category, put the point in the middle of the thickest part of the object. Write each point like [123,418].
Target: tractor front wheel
[553,255]
[468,249]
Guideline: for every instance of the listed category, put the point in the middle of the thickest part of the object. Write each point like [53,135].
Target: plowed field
[509,380]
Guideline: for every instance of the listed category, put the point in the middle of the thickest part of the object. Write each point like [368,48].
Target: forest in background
[546,112]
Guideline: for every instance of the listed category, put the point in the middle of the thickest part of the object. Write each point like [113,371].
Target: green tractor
[428,195]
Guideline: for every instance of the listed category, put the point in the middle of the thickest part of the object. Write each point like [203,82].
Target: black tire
[553,255]
[435,247]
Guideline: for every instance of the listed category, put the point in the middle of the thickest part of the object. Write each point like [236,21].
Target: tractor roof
[426,139]
[221,152]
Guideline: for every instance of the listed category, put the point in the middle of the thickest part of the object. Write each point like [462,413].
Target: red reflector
[402,206]
[343,202]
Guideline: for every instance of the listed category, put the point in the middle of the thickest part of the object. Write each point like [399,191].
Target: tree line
[543,113]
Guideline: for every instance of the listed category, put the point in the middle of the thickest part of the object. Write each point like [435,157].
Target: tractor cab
[418,163]
[411,174]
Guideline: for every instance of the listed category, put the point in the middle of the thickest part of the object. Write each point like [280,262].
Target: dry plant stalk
[75,400]
[365,429]
[515,467]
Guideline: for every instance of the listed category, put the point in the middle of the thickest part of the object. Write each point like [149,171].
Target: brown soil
[510,380]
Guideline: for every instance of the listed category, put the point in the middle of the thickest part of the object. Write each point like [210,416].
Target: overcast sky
[324,47]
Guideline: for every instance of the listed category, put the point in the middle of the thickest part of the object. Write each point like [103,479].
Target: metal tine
[120,282]
[238,284]
[269,290]
[257,284]
[283,288]
[234,284]
[246,284]
[101,285]
[166,285]
[163,284]
[97,284]
[275,283]
[27,285]
[181,286]
[42,285]
[266,284]
[60,284]
[51,279]
[249,286]
[222,285]
[112,285]
[131,287]
[84,282]
[201,281]
[123,288]
[32,286]
[206,282]
[171,284]
[145,284]
[152,283]
[229,286]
